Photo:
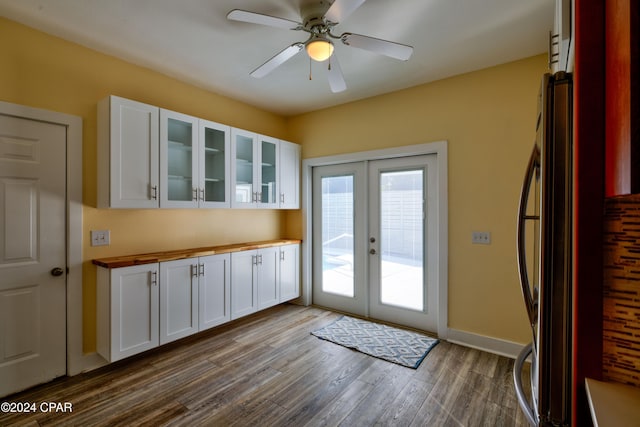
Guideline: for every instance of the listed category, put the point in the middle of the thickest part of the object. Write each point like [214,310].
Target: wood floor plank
[342,404]
[431,413]
[373,406]
[405,406]
[317,398]
[267,369]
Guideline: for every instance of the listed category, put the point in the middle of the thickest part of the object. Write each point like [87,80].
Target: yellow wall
[488,117]
[42,71]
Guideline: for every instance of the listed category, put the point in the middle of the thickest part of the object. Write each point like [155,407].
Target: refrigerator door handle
[517,380]
[532,169]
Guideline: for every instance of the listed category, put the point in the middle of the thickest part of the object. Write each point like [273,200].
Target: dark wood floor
[267,370]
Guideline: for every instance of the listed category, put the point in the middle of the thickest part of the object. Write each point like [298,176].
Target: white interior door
[339,237]
[32,253]
[402,272]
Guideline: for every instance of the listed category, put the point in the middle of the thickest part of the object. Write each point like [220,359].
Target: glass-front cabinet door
[213,191]
[243,155]
[178,160]
[269,156]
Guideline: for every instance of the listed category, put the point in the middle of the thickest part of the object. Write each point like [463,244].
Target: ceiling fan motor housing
[312,13]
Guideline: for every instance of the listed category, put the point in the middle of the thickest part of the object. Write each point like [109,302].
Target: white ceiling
[193,41]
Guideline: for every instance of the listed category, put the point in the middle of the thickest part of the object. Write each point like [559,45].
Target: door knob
[57,271]
[372,251]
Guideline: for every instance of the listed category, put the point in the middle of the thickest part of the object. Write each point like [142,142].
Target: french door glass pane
[402,239]
[337,235]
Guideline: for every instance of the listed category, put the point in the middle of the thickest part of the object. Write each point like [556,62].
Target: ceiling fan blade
[340,9]
[282,57]
[259,18]
[336,79]
[384,47]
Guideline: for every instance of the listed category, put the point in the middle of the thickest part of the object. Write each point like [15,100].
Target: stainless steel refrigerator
[544,241]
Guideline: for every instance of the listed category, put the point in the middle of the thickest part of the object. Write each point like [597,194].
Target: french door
[372,252]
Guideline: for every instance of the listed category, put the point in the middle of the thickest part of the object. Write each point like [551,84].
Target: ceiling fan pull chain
[310,77]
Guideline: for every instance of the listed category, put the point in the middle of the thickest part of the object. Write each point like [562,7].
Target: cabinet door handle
[260,258]
[154,278]
[201,272]
[259,197]
[281,256]
[254,259]
[194,270]
[195,194]
[202,194]
[154,192]
[281,197]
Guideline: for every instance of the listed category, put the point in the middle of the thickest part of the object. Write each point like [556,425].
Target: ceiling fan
[319,22]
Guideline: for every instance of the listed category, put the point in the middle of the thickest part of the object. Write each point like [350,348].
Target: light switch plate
[100,237]
[481,237]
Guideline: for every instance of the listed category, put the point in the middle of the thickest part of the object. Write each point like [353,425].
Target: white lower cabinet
[254,281]
[127,310]
[244,293]
[268,277]
[194,295]
[178,299]
[143,306]
[263,278]
[214,290]
[289,272]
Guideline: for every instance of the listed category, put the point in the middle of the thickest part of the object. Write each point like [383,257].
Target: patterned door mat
[395,345]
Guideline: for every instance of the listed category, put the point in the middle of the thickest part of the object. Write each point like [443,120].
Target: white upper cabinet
[243,171]
[178,160]
[194,162]
[268,172]
[150,157]
[127,154]
[255,165]
[213,166]
[289,176]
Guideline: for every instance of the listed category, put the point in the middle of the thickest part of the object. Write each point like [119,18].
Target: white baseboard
[492,345]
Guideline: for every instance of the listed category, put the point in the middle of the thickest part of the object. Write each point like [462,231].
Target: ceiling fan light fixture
[319,49]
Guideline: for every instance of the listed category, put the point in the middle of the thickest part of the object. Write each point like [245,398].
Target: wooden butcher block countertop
[150,258]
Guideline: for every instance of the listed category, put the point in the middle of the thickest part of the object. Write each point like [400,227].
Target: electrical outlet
[481,237]
[100,237]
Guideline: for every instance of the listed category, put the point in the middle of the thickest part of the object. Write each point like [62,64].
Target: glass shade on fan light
[319,50]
